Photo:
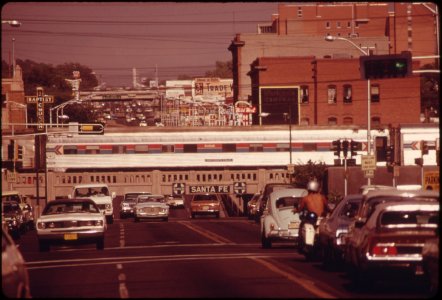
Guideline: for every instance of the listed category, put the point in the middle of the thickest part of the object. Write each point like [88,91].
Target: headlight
[99,223]
[108,206]
[41,225]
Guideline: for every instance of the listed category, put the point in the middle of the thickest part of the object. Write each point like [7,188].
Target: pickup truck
[99,193]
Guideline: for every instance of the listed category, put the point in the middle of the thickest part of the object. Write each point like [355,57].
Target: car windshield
[409,218]
[91,191]
[150,199]
[10,208]
[211,197]
[350,209]
[287,202]
[63,208]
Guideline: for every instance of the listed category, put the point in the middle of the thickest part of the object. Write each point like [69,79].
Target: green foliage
[304,173]
[222,70]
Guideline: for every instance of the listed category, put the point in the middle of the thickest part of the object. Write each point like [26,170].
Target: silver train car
[225,147]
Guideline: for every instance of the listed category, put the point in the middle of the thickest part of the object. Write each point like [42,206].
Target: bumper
[413,263]
[176,204]
[151,216]
[70,236]
[284,234]
[127,212]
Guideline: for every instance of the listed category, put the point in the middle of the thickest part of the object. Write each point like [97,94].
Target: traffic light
[386,66]
[424,147]
[19,152]
[336,147]
[389,154]
[11,150]
[345,144]
[354,146]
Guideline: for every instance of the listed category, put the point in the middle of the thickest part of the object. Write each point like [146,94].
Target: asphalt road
[196,258]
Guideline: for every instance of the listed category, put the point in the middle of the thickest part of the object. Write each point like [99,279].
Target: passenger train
[227,147]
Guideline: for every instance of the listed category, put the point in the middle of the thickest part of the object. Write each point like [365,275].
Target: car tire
[265,242]
[43,246]
[100,243]
[136,219]
[217,215]
[165,219]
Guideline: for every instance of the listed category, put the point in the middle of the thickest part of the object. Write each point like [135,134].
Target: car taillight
[384,250]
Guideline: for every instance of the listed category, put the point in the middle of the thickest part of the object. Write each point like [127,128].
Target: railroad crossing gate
[239,187]
[178,188]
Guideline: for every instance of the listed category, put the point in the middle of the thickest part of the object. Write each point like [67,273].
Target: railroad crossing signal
[40,99]
[239,187]
[178,188]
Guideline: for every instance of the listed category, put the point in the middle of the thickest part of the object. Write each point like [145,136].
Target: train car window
[168,148]
[190,148]
[229,147]
[309,147]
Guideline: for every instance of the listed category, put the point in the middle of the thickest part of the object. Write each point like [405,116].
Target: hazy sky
[113,37]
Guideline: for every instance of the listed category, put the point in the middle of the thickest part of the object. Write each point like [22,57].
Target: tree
[304,173]
[222,70]
[430,94]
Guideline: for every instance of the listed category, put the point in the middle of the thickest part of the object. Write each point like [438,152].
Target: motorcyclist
[314,201]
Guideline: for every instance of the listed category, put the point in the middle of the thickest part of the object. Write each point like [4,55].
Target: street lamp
[330,38]
[12,23]
[287,118]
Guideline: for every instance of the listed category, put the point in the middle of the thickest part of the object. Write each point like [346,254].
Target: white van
[99,193]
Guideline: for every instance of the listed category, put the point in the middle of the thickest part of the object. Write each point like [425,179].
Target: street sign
[239,187]
[11,176]
[431,180]
[40,100]
[178,188]
[290,168]
[368,173]
[368,162]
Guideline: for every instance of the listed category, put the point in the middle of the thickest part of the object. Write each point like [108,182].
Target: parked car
[26,208]
[175,200]
[334,228]
[391,240]
[12,215]
[205,204]
[128,203]
[252,205]
[98,192]
[269,188]
[15,277]
[71,221]
[431,263]
[280,221]
[151,207]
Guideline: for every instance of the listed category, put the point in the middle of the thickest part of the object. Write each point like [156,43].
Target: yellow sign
[369,173]
[431,180]
[368,162]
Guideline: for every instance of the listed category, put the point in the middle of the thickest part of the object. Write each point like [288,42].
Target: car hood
[98,199]
[285,216]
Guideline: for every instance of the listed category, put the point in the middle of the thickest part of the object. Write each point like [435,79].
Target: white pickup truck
[99,193]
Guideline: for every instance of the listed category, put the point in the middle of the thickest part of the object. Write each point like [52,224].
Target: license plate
[293,225]
[205,208]
[70,236]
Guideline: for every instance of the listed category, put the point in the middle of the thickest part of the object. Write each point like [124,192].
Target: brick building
[300,29]
[13,100]
[322,91]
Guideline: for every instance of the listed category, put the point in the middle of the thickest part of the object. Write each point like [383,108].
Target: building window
[347,121]
[375,121]
[332,121]
[348,24]
[3,100]
[327,25]
[331,94]
[304,94]
[374,93]
[338,24]
[347,93]
[299,12]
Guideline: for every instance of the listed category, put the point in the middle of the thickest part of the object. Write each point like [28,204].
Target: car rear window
[205,198]
[409,218]
[287,202]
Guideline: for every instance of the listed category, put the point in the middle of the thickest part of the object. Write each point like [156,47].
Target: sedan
[280,221]
[175,200]
[71,221]
[392,240]
[334,228]
[252,206]
[13,218]
[205,204]
[128,203]
[151,207]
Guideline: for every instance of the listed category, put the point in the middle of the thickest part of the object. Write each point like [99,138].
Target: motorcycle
[308,234]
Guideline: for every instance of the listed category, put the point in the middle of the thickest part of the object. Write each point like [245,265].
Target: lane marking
[124,294]
[305,283]
[208,234]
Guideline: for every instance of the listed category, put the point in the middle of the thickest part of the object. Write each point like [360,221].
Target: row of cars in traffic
[380,231]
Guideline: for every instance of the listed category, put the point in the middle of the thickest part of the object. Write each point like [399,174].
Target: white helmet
[313,186]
